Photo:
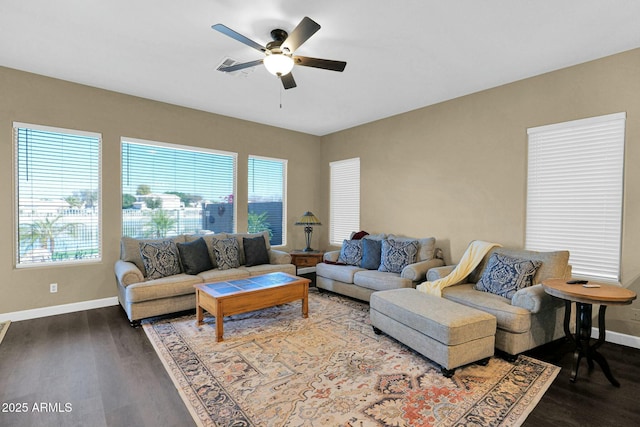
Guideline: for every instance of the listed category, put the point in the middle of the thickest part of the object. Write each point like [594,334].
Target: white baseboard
[618,338]
[58,309]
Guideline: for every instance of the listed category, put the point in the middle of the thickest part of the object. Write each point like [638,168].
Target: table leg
[199,311]
[219,314]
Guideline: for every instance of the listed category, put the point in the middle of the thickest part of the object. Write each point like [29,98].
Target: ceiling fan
[279,56]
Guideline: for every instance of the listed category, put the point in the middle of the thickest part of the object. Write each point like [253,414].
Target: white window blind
[574,193]
[267,189]
[344,199]
[170,189]
[58,195]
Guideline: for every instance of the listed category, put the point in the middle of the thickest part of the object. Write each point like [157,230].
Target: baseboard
[618,338]
[58,309]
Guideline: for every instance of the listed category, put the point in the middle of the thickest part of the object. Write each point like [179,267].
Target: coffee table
[226,298]
[584,298]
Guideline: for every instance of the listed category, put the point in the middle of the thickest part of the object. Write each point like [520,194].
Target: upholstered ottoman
[444,331]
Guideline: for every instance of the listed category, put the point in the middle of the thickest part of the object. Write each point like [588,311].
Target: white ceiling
[400,55]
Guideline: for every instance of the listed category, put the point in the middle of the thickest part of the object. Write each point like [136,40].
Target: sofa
[527,317]
[358,269]
[157,276]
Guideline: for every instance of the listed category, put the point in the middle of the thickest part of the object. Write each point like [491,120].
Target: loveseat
[157,276]
[362,266]
[527,318]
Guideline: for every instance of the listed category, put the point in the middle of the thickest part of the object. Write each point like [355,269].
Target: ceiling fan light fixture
[278,64]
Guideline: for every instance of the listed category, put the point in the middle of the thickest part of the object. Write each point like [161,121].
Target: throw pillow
[351,252]
[227,253]
[371,254]
[359,235]
[255,251]
[194,256]
[504,275]
[160,259]
[397,254]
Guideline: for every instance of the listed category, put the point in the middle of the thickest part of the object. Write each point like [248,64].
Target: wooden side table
[584,298]
[303,259]
[305,263]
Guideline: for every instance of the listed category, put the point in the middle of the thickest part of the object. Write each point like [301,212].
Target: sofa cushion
[255,251]
[371,254]
[217,275]
[341,273]
[194,256]
[270,268]
[209,239]
[380,281]
[165,287]
[160,259]
[130,249]
[504,275]
[510,318]
[351,252]
[227,253]
[397,254]
[426,246]
[554,264]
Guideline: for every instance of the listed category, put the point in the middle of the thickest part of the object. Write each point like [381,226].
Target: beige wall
[39,100]
[457,170]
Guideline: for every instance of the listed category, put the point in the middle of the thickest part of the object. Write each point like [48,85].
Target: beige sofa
[530,317]
[142,296]
[358,282]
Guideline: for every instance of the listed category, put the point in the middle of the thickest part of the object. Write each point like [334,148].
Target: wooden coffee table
[584,298]
[226,298]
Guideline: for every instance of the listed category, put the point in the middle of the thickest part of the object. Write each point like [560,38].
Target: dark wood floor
[111,376]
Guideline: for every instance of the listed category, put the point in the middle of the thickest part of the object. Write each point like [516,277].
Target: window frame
[338,232]
[188,148]
[16,196]
[580,189]
[285,165]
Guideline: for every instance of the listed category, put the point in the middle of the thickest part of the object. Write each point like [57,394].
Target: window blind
[170,189]
[344,214]
[267,179]
[574,192]
[58,195]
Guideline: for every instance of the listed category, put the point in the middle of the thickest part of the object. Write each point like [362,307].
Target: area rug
[4,326]
[275,368]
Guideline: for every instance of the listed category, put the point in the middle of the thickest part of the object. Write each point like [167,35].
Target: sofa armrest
[279,257]
[534,299]
[128,273]
[331,256]
[439,272]
[416,272]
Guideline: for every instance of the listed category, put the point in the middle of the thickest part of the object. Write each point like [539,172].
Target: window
[267,189]
[57,195]
[172,189]
[344,200]
[574,193]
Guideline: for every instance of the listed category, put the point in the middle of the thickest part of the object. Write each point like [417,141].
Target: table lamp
[308,220]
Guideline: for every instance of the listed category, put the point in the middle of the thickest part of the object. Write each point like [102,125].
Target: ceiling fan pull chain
[280,96]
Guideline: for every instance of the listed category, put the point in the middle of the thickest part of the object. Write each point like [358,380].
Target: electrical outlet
[53,288]
[635,314]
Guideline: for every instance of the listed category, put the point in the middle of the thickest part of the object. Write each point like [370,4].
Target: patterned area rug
[4,326]
[275,368]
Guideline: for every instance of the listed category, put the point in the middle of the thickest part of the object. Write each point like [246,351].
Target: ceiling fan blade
[305,29]
[287,81]
[325,64]
[242,66]
[237,36]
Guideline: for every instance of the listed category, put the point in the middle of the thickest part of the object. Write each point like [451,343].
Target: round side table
[584,298]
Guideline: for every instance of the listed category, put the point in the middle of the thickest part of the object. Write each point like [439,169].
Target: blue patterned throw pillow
[227,253]
[160,259]
[351,252]
[397,254]
[504,275]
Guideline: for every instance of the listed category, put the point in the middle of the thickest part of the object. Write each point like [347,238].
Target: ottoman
[444,331]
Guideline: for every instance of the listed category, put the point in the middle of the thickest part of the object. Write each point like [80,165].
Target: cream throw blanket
[470,260]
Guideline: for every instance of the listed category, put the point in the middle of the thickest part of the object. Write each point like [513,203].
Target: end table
[305,263]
